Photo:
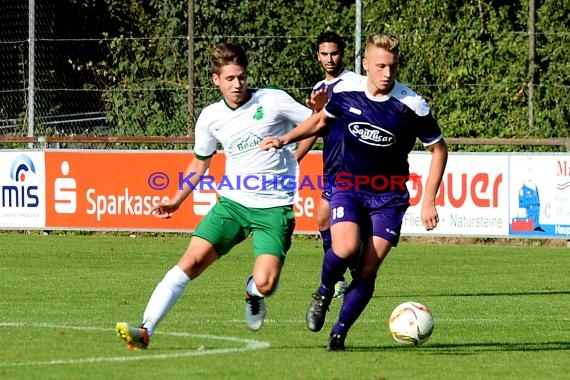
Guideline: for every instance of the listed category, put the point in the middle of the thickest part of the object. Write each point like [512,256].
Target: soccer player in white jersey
[258,201]
[330,54]
[382,119]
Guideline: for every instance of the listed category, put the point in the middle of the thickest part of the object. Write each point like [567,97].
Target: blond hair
[384,41]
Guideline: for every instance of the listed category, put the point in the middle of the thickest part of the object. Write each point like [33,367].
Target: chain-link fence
[61,76]
[52,74]
[99,73]
[64,97]
[14,51]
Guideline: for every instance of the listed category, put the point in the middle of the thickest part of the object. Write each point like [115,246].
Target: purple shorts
[378,214]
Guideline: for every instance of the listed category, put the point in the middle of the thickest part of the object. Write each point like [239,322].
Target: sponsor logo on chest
[244,144]
[371,134]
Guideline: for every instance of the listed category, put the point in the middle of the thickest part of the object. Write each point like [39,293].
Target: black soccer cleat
[336,342]
[317,311]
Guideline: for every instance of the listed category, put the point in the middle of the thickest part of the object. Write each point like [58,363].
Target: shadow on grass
[479,294]
[468,348]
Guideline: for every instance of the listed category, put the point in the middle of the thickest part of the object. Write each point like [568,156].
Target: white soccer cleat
[254,312]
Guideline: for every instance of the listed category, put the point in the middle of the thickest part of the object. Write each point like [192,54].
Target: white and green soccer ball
[411,323]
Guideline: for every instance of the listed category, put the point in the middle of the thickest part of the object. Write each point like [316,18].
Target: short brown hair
[226,53]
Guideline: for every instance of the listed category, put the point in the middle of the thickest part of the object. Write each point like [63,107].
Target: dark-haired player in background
[330,53]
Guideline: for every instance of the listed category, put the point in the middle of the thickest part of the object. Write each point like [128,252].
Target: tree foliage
[468,58]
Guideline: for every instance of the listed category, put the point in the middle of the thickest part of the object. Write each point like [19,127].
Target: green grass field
[502,312]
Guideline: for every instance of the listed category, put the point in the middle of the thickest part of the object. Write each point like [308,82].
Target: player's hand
[428,216]
[271,142]
[165,209]
[318,99]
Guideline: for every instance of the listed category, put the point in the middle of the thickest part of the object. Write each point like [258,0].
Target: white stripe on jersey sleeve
[407,96]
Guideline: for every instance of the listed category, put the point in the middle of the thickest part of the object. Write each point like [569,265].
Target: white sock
[251,289]
[165,295]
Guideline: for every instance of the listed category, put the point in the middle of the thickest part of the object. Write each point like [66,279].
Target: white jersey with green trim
[253,178]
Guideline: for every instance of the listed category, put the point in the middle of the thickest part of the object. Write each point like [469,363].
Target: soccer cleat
[336,342]
[340,288]
[254,309]
[254,312]
[317,311]
[136,338]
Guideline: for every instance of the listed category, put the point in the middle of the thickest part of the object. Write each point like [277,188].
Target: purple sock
[356,297]
[327,240]
[332,272]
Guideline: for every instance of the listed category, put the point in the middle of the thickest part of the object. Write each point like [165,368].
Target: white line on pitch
[249,344]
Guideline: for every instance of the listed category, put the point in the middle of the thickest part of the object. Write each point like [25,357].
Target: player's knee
[323,223]
[267,286]
[345,249]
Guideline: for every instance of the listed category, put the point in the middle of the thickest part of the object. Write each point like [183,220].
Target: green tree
[553,79]
[148,76]
[146,71]
[469,58]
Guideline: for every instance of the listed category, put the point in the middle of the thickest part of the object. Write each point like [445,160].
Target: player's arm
[192,176]
[308,128]
[428,213]
[304,147]
[316,103]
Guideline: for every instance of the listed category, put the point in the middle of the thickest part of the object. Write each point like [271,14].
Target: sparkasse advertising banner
[117,190]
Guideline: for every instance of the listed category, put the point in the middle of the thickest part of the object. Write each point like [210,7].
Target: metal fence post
[31,64]
[358,38]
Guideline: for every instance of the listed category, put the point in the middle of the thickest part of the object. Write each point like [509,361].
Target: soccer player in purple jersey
[330,54]
[382,120]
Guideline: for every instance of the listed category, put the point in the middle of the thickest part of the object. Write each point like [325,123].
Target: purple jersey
[379,133]
[334,135]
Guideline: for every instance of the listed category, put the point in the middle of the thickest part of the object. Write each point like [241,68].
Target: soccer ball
[411,324]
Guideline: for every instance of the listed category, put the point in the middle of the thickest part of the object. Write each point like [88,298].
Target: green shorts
[228,223]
